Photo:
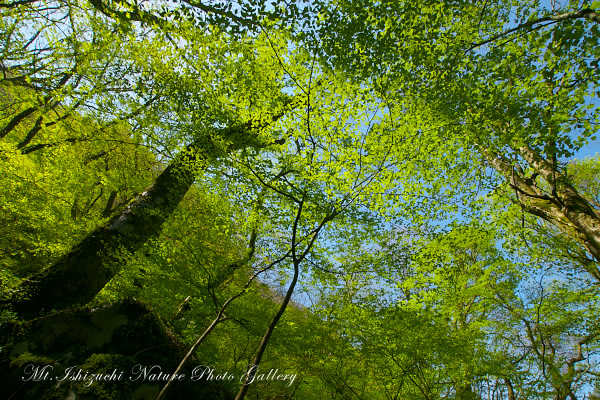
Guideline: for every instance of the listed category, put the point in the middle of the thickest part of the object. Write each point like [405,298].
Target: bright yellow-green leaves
[384,127]
[51,198]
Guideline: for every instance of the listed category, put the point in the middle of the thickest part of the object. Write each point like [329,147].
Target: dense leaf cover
[379,197]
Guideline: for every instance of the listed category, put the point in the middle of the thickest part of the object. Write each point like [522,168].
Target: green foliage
[357,161]
[77,197]
[584,174]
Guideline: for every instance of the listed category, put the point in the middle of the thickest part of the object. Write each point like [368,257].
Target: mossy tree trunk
[79,275]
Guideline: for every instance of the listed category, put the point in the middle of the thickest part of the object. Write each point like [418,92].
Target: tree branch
[587,13]
[218,319]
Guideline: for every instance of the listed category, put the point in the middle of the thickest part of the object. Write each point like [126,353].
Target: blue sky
[589,150]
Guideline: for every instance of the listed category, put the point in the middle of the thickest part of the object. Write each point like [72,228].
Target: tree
[325,158]
[91,264]
[316,178]
[516,85]
[464,314]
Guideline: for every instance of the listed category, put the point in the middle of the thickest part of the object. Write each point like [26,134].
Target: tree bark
[79,275]
[562,206]
[297,260]
[510,389]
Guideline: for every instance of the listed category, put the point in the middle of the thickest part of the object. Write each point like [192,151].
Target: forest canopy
[330,199]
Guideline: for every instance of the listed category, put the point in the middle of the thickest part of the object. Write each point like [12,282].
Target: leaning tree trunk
[561,205]
[79,275]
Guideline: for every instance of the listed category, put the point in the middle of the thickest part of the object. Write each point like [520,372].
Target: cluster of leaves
[465,314]
[390,119]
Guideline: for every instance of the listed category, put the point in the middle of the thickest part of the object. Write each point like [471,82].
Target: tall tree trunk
[79,275]
[510,389]
[297,260]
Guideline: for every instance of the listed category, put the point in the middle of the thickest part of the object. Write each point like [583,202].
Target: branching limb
[218,319]
[589,14]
